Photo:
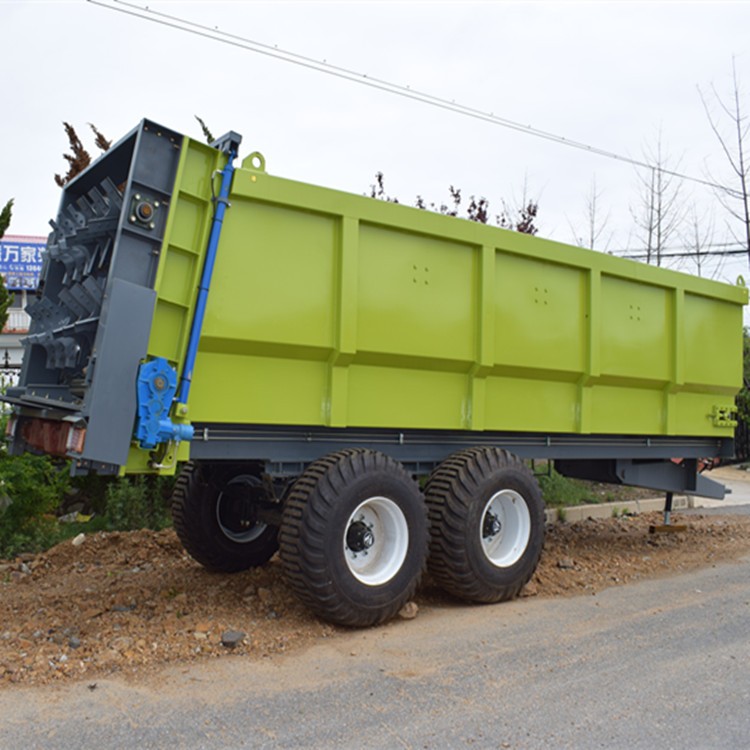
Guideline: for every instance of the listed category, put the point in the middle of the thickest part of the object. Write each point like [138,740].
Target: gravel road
[661,663]
[131,603]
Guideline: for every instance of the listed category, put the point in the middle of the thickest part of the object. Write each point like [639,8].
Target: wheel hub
[237,509]
[506,528]
[375,541]
[359,537]
[491,526]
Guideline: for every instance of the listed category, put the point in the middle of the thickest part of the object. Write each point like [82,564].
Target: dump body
[334,319]
[338,310]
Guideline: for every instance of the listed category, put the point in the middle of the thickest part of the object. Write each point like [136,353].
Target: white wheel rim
[505,528]
[252,532]
[376,540]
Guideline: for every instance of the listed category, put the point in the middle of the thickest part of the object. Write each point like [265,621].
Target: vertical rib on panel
[677,379]
[592,363]
[485,338]
[345,338]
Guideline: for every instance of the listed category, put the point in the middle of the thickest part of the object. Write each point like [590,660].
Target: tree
[525,216]
[733,138]
[207,134]
[377,191]
[5,216]
[521,216]
[519,219]
[659,214]
[742,400]
[5,298]
[79,158]
[697,238]
[100,141]
[596,225]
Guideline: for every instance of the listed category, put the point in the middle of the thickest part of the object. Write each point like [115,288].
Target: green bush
[743,397]
[31,490]
[90,494]
[559,490]
[35,489]
[138,503]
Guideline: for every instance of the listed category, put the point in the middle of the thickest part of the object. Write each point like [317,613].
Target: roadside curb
[573,513]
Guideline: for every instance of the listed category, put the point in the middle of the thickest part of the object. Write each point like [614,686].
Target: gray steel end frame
[682,478]
[123,252]
[665,475]
[113,398]
[125,326]
[126,319]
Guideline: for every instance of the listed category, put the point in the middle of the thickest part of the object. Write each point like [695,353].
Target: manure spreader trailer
[356,383]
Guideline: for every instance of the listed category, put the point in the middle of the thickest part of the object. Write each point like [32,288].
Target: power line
[732,244]
[322,66]
[686,254]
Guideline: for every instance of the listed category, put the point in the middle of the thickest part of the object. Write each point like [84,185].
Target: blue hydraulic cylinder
[222,202]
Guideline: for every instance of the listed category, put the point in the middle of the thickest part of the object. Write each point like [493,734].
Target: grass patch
[35,491]
[560,491]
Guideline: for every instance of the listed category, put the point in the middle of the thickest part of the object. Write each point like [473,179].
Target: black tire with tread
[456,495]
[312,533]
[194,501]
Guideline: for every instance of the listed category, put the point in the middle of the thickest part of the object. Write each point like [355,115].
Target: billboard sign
[21,261]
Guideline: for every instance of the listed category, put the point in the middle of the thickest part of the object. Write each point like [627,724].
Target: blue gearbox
[157,384]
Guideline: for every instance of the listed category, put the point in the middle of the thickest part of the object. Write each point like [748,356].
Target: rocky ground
[131,602]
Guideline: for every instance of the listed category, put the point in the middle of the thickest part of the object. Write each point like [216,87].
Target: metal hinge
[722,416]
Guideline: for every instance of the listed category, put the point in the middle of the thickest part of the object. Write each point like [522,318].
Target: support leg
[668,508]
[667,527]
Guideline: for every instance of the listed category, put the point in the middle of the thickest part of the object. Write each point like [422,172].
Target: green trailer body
[325,323]
[336,310]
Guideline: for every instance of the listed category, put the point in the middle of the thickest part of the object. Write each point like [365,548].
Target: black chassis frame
[669,464]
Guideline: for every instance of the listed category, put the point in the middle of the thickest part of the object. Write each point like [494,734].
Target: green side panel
[627,410]
[407,397]
[638,328]
[330,309]
[273,388]
[277,287]
[416,298]
[183,251]
[692,409]
[178,276]
[713,332]
[521,404]
[540,314]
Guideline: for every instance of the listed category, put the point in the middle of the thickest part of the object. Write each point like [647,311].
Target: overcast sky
[607,74]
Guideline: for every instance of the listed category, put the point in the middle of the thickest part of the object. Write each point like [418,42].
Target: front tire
[354,537]
[486,524]
[214,511]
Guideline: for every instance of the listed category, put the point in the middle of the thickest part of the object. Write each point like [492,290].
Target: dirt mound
[127,602]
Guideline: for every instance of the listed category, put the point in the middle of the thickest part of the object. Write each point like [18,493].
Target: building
[20,266]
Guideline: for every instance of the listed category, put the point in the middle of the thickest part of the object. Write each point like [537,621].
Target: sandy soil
[131,603]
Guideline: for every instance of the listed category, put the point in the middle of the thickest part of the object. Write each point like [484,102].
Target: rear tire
[216,519]
[354,537]
[486,524]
